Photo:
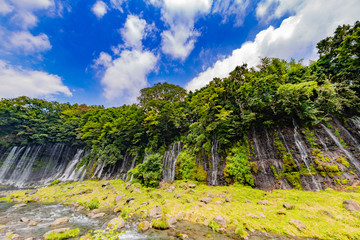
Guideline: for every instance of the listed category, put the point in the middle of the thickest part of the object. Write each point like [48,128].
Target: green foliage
[214,226]
[149,173]
[238,167]
[160,224]
[93,204]
[187,168]
[64,235]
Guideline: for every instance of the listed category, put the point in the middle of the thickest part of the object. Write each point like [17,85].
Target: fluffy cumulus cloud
[133,31]
[296,37]
[99,9]
[27,42]
[125,73]
[179,39]
[16,81]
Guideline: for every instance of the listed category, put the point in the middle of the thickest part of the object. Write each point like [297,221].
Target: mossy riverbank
[236,211]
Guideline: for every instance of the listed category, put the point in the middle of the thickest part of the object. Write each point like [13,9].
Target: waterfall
[288,149]
[355,121]
[345,151]
[37,165]
[169,161]
[70,173]
[215,160]
[348,134]
[5,167]
[132,167]
[303,153]
[258,152]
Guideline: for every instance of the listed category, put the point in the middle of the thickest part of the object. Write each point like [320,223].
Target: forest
[274,93]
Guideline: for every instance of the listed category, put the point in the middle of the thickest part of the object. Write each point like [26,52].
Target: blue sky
[103,52]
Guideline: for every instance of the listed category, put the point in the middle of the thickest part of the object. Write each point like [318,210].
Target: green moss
[160,224]
[55,182]
[63,235]
[343,161]
[310,136]
[254,167]
[93,204]
[214,226]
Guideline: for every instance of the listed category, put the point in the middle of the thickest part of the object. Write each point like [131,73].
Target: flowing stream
[304,156]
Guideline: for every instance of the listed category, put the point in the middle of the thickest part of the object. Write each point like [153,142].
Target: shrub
[149,173]
[93,204]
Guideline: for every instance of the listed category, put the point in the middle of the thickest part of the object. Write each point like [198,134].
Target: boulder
[210,195]
[129,200]
[220,220]
[24,219]
[98,215]
[105,184]
[143,226]
[299,225]
[263,202]
[119,197]
[205,200]
[116,223]
[192,185]
[19,205]
[59,221]
[31,192]
[155,211]
[288,206]
[351,205]
[172,221]
[32,223]
[60,230]
[250,215]
[180,216]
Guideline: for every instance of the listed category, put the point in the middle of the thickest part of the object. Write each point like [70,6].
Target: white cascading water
[169,161]
[348,134]
[355,122]
[345,151]
[288,149]
[258,152]
[132,167]
[215,160]
[304,156]
[5,167]
[21,178]
[70,171]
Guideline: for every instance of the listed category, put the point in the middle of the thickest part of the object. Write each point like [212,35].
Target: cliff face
[285,157]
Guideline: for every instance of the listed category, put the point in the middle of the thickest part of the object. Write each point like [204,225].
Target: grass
[309,207]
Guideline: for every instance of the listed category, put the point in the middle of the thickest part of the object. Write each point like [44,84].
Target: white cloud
[127,75]
[5,7]
[29,43]
[270,9]
[228,8]
[16,81]
[296,36]
[99,9]
[178,41]
[126,72]
[133,31]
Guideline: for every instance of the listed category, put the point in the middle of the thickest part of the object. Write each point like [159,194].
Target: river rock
[172,221]
[288,206]
[299,225]
[247,200]
[263,202]
[250,215]
[105,184]
[24,219]
[351,206]
[60,221]
[31,192]
[178,195]
[155,211]
[32,223]
[19,205]
[180,216]
[262,215]
[205,200]
[59,230]
[129,200]
[30,238]
[117,223]
[98,215]
[16,237]
[220,220]
[144,226]
[119,197]
[192,185]
[210,195]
